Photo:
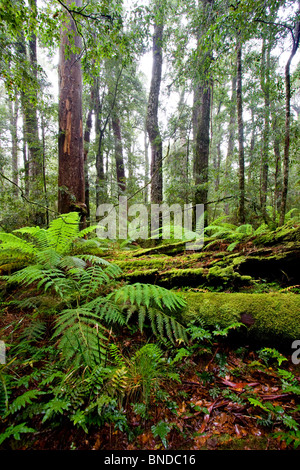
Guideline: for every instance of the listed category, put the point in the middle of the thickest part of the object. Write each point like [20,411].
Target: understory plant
[80,303]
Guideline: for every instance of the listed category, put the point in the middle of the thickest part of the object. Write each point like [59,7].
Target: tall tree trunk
[239,100]
[296,39]
[86,145]
[71,192]
[13,111]
[265,85]
[252,144]
[120,168]
[277,155]
[100,177]
[25,162]
[152,115]
[146,176]
[29,100]
[202,113]
[231,136]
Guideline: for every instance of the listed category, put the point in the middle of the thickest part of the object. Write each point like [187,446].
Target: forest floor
[227,394]
[226,397]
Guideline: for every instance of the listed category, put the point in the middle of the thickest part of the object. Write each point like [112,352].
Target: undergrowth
[84,348]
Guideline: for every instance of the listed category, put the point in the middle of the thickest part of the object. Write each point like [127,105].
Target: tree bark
[265,85]
[277,155]
[71,192]
[152,116]
[239,100]
[231,136]
[13,111]
[86,145]
[120,168]
[202,113]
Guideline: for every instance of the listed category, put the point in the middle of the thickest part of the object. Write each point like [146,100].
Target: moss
[183,277]
[273,315]
[289,232]
[227,276]
[146,275]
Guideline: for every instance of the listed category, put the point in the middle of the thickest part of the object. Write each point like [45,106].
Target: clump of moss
[227,276]
[289,232]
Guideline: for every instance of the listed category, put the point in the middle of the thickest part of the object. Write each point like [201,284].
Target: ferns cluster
[89,302]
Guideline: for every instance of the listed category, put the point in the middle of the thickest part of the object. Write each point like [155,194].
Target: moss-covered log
[268,317]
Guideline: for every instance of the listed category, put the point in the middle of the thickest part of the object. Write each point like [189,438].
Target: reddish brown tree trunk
[71,191]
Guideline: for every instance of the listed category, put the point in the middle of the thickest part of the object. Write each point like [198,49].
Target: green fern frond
[54,407]
[63,230]
[117,383]
[16,245]
[23,400]
[80,335]
[116,356]
[107,310]
[148,294]
[43,278]
[15,431]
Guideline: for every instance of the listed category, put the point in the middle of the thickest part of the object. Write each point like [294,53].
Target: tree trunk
[152,116]
[239,100]
[120,169]
[29,100]
[25,162]
[296,38]
[13,111]
[202,114]
[146,176]
[86,145]
[231,137]
[277,155]
[265,85]
[71,192]
[252,145]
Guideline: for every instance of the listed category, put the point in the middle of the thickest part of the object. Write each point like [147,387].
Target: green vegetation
[88,352]
[128,129]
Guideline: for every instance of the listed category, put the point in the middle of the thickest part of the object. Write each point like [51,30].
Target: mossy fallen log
[268,317]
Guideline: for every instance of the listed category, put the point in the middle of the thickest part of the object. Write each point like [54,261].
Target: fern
[147,294]
[153,302]
[54,407]
[3,395]
[23,400]
[15,431]
[81,337]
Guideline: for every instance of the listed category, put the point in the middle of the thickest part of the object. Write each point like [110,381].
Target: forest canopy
[178,102]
